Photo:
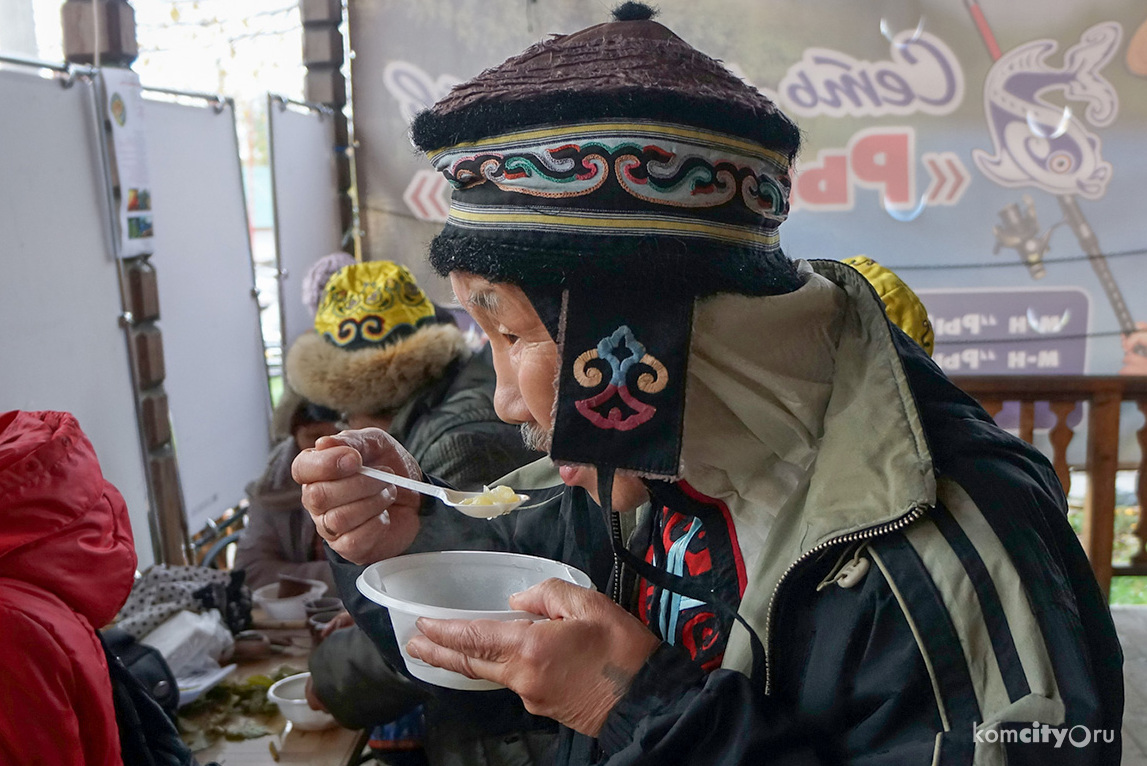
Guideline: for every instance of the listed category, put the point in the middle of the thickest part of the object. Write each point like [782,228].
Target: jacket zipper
[864,534]
[615,533]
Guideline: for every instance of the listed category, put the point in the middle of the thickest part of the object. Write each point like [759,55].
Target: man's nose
[508,402]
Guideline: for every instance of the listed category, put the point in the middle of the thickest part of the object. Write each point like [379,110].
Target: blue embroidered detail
[621,351]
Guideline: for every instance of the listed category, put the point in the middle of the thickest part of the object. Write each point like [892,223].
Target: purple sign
[1011,332]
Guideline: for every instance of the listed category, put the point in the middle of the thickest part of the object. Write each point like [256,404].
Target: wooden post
[1102,464]
[1060,437]
[1027,421]
[113,35]
[326,84]
[116,29]
[1140,556]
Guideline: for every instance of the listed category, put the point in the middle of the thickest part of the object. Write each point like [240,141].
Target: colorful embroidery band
[620,178]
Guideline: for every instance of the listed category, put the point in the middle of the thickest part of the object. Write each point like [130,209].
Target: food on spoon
[496,496]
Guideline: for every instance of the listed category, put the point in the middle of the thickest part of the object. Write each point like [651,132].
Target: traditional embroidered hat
[619,149]
[377,340]
[616,174]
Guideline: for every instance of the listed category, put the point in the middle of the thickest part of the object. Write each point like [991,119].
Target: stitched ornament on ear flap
[622,381]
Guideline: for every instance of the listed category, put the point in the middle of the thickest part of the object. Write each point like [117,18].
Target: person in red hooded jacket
[67,562]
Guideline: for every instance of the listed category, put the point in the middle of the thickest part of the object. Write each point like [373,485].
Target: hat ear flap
[621,389]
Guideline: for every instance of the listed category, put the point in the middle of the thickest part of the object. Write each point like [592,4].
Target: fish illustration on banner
[1038,143]
[1017,82]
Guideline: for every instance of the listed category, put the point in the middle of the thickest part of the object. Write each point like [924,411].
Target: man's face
[525,356]
[527,363]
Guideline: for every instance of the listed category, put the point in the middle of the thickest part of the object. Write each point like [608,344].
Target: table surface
[330,747]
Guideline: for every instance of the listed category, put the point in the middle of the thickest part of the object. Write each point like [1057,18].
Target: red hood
[63,527]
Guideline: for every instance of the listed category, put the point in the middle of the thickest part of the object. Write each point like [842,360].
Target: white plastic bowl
[446,585]
[290,695]
[292,608]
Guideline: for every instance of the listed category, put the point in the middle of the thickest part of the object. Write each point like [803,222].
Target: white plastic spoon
[452,497]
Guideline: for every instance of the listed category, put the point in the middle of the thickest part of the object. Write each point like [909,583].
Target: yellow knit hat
[901,304]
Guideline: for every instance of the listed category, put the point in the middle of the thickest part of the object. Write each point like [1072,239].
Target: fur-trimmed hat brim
[371,379]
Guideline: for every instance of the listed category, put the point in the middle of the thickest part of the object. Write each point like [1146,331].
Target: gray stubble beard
[537,438]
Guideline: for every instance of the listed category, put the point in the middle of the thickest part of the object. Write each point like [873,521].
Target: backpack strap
[147,735]
[146,664]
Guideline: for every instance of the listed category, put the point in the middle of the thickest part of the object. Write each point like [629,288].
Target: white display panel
[216,380]
[63,347]
[305,187]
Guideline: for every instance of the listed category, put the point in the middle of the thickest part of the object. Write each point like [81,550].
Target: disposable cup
[315,606]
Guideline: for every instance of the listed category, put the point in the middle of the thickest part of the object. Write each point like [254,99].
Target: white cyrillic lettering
[922,75]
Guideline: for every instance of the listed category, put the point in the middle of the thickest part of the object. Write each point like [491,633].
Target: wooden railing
[1104,395]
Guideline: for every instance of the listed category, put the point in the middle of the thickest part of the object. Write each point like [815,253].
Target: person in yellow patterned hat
[902,305]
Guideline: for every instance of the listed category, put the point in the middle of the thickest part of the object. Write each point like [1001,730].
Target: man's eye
[510,339]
